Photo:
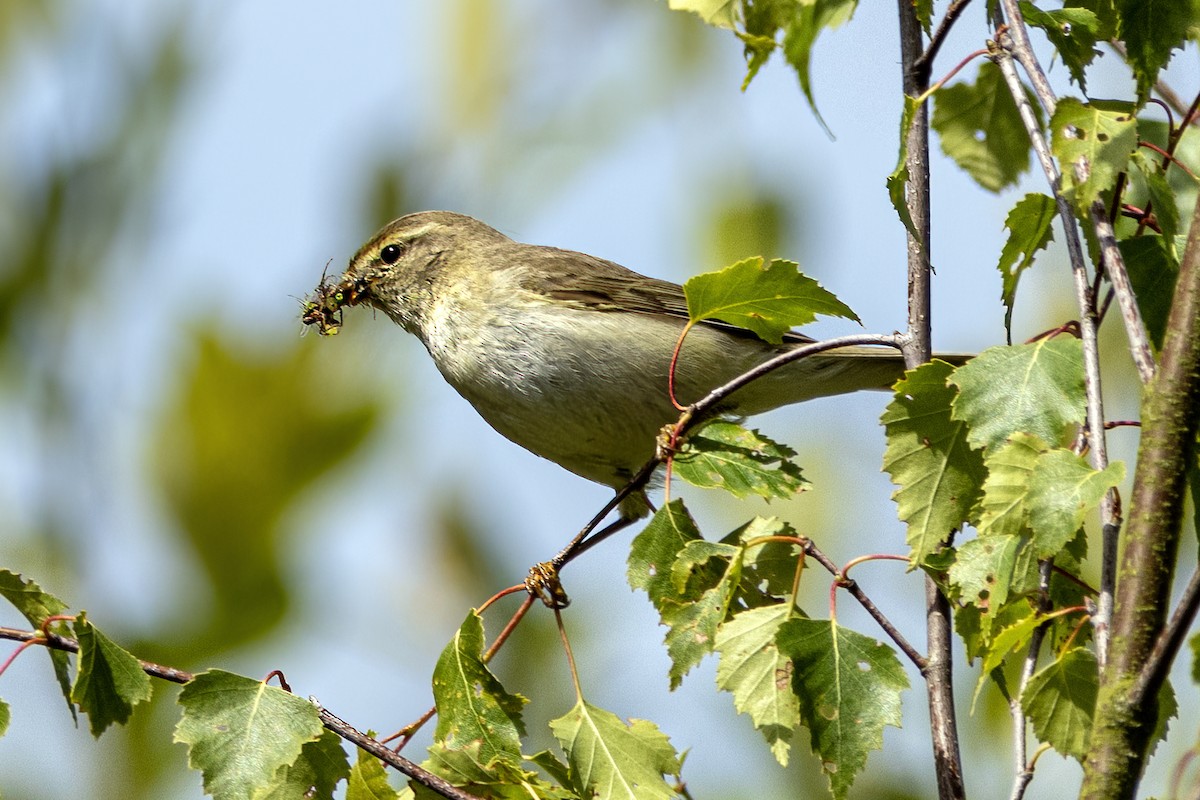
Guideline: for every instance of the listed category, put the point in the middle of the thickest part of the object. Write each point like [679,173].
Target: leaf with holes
[979,127]
[1093,143]
[848,686]
[758,676]
[741,461]
[473,706]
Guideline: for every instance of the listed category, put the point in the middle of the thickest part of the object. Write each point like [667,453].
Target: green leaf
[897,182]
[472,704]
[1004,508]
[36,605]
[1060,699]
[1153,273]
[1162,200]
[500,778]
[1073,32]
[848,686]
[109,681]
[1029,230]
[743,462]
[768,568]
[758,675]
[718,13]
[5,717]
[1151,30]
[609,760]
[1062,489]
[653,552]
[368,780]
[929,459]
[693,623]
[321,766]
[1097,138]
[1195,645]
[1034,388]
[240,731]
[985,569]
[769,300]
[812,17]
[979,127]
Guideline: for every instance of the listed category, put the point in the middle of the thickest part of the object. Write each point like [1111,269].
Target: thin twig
[1013,42]
[812,551]
[939,624]
[1023,768]
[1169,641]
[329,720]
[924,63]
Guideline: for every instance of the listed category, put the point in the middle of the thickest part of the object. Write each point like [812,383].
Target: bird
[567,354]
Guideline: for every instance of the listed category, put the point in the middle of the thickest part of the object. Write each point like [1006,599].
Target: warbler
[567,354]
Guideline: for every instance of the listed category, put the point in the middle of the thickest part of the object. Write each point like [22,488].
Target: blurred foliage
[242,440]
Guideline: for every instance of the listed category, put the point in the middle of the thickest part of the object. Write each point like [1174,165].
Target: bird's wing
[584,281]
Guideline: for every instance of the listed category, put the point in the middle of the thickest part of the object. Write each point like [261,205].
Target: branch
[1125,707]
[939,672]
[924,62]
[811,550]
[333,723]
[1023,772]
[1013,42]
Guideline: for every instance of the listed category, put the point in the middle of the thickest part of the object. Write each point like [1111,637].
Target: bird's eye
[391,254]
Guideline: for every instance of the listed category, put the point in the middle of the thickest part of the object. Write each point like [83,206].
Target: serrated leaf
[109,681]
[980,129]
[472,704]
[848,686]
[1029,230]
[501,779]
[806,23]
[1060,700]
[1062,489]
[768,568]
[1099,137]
[1073,32]
[368,780]
[758,676]
[1162,201]
[985,569]
[718,13]
[928,458]
[609,760]
[693,624]
[240,731]
[553,766]
[1033,388]
[743,462]
[320,767]
[1016,622]
[1004,507]
[1151,30]
[652,554]
[769,300]
[694,557]
[897,182]
[36,605]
